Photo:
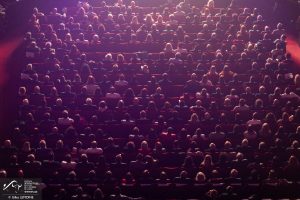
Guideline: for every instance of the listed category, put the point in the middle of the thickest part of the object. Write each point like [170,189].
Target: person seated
[65,120]
[37,96]
[89,106]
[91,86]
[192,85]
[135,108]
[227,73]
[163,179]
[128,180]
[126,120]
[112,94]
[67,163]
[121,82]
[32,166]
[200,178]
[145,150]
[94,149]
[241,107]
[146,178]
[233,177]
[84,166]
[43,153]
[205,82]
[137,166]
[119,167]
[217,136]
[183,179]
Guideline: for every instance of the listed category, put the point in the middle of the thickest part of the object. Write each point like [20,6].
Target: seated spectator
[227,73]
[255,121]
[250,134]
[218,136]
[91,86]
[67,163]
[94,149]
[192,85]
[65,120]
[183,178]
[121,82]
[43,153]
[242,107]
[112,94]
[200,178]
[145,150]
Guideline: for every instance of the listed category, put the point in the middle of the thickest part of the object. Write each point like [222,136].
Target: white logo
[13,184]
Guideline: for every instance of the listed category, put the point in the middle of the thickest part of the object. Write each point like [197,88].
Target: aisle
[6,50]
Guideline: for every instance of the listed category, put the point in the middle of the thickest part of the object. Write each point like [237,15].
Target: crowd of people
[122,101]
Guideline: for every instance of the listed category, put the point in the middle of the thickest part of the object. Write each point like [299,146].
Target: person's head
[122,77]
[31,157]
[244,142]
[98,194]
[7,144]
[89,101]
[194,118]
[144,145]
[227,144]
[94,144]
[295,144]
[207,160]
[65,114]
[130,145]
[270,117]
[42,144]
[112,89]
[149,38]
[26,146]
[194,76]
[59,144]
[168,47]
[149,19]
[259,103]
[3,173]
[234,173]
[227,102]
[118,158]
[200,177]
[183,174]
[242,102]
[158,146]
[22,91]
[293,160]
[265,128]
[212,146]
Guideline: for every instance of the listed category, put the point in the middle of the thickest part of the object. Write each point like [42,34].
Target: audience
[200,102]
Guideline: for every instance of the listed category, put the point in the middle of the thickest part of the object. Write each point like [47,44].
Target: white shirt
[65,121]
[254,122]
[94,151]
[68,165]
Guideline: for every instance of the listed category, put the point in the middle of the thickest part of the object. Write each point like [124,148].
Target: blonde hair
[200,177]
